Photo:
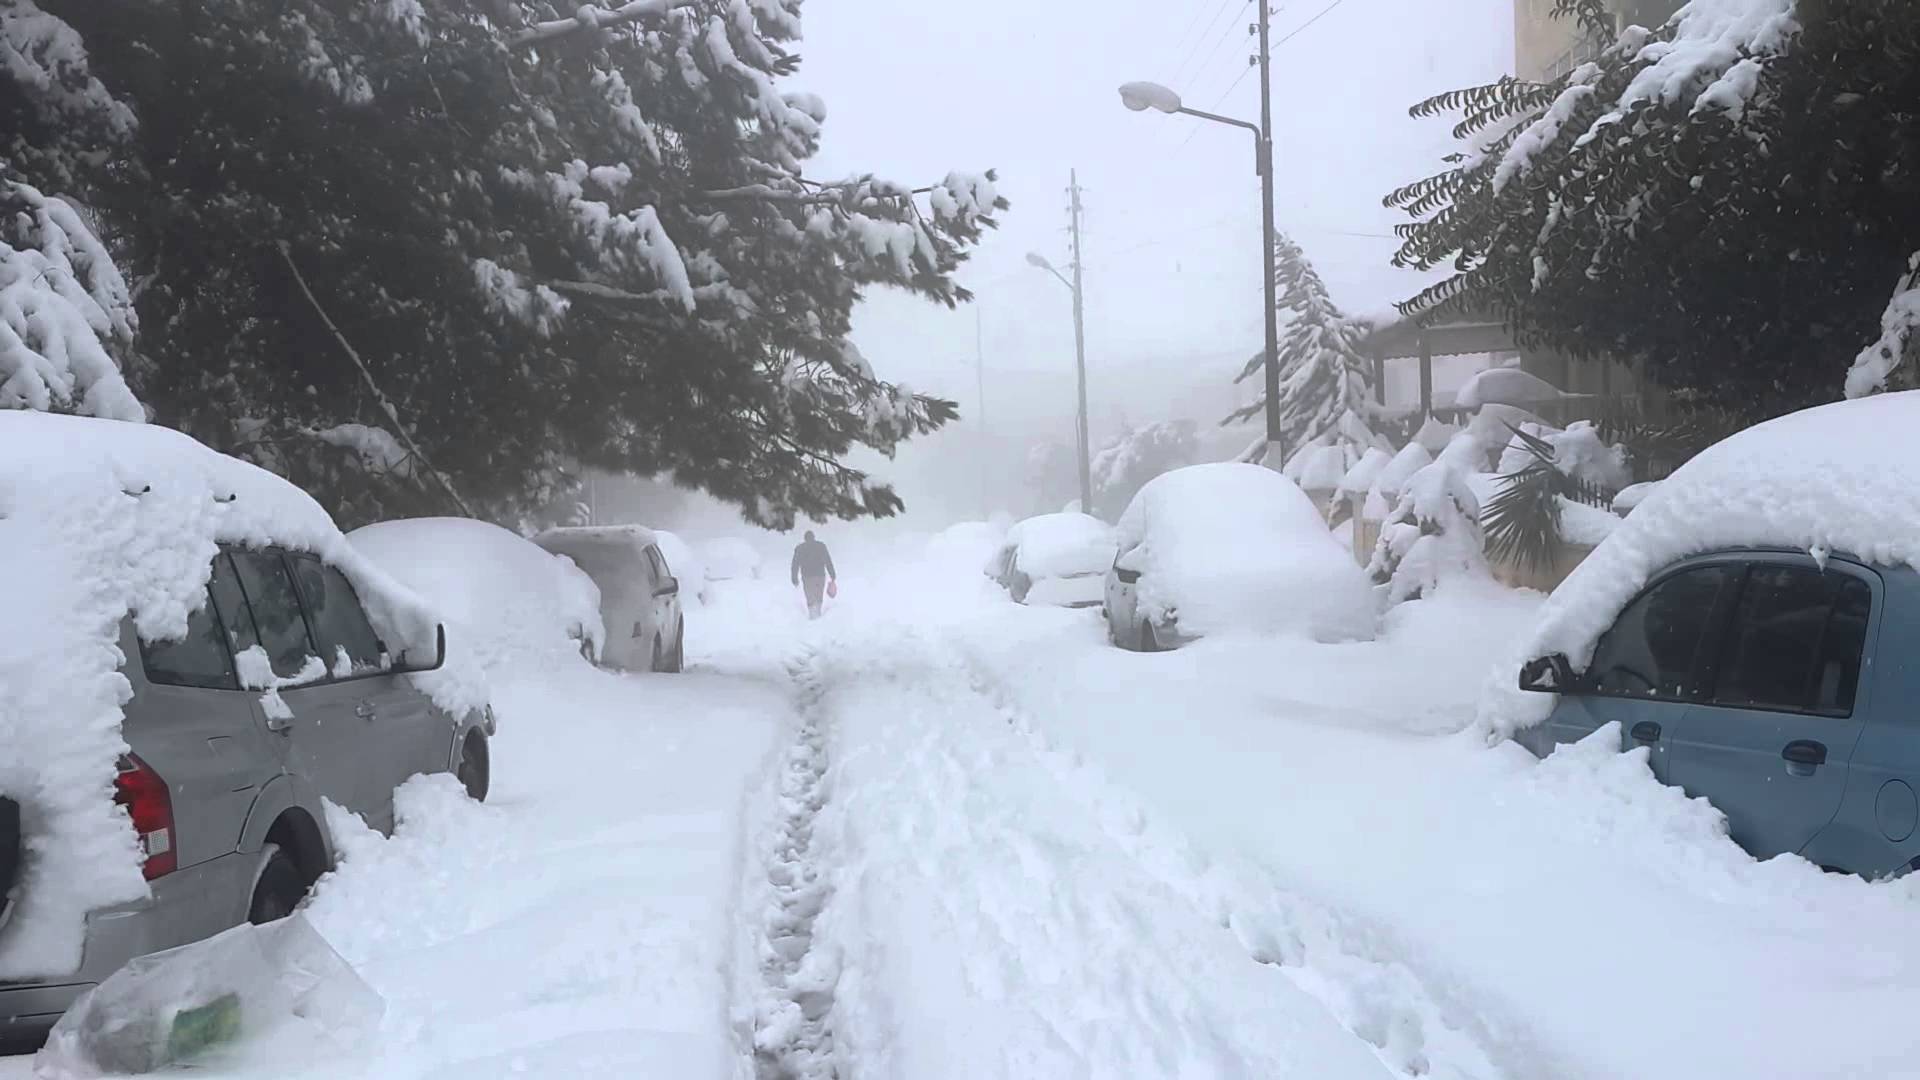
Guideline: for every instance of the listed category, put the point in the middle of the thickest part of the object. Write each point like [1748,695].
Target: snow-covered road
[939,835]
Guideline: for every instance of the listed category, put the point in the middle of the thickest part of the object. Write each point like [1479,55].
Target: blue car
[1781,688]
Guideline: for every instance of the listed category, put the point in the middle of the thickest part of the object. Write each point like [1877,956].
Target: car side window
[231,601]
[1796,641]
[198,659]
[658,563]
[347,641]
[275,603]
[1653,648]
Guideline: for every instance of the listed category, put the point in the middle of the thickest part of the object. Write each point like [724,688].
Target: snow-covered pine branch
[1878,362]
[62,304]
[589,17]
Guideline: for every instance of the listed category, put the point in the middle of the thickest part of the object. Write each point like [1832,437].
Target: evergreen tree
[420,257]
[1726,199]
[1125,464]
[1325,382]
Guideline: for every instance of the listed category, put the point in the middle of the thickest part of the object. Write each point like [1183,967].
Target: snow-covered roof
[1062,545]
[1235,547]
[502,596]
[1838,478]
[101,520]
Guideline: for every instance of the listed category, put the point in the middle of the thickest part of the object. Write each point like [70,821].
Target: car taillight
[150,806]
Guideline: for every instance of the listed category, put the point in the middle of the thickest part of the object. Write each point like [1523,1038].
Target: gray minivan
[225,790]
[1775,685]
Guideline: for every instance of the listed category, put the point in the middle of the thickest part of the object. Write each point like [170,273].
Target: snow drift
[1837,478]
[100,521]
[1239,548]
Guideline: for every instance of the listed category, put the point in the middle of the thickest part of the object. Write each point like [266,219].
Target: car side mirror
[1551,674]
[407,666]
[670,587]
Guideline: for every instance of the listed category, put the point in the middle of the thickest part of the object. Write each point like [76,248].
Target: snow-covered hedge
[101,521]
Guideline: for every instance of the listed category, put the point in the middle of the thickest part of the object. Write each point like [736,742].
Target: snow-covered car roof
[102,520]
[1838,478]
[501,594]
[1062,545]
[637,535]
[1238,547]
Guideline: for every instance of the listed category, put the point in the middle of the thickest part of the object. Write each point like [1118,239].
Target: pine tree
[1137,455]
[1725,199]
[1325,381]
[66,314]
[519,240]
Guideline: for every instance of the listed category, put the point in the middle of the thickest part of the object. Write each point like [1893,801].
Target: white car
[505,597]
[1231,549]
[1055,560]
[639,596]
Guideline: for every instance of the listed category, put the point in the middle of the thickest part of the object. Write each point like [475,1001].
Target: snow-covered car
[639,596]
[194,663]
[1230,548]
[1751,625]
[730,558]
[501,594]
[684,564]
[1055,560]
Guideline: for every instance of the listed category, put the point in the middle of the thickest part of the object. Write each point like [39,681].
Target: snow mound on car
[1239,548]
[1838,478]
[101,520]
[504,598]
[684,563]
[1062,545]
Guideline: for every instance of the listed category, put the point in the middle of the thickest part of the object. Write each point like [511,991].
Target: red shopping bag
[833,588]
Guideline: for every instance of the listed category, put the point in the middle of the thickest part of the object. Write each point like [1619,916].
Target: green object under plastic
[195,1031]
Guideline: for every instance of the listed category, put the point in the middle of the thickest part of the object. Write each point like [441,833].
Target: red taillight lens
[150,806]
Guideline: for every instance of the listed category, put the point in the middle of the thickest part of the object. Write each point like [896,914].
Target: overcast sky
[1028,87]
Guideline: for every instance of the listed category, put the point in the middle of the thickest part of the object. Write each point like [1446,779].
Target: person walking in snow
[813,568]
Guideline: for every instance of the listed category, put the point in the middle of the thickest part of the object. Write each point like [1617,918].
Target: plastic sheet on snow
[214,999]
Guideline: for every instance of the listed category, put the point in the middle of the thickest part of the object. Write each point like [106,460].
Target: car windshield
[1080,538]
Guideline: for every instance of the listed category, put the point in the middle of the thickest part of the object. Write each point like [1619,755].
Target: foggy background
[1172,214]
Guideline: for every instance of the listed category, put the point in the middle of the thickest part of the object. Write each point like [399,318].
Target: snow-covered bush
[1384,493]
[1556,487]
[63,305]
[1433,534]
[1237,548]
[504,599]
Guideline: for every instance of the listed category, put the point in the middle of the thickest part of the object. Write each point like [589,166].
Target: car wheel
[678,662]
[279,889]
[659,655]
[586,652]
[475,771]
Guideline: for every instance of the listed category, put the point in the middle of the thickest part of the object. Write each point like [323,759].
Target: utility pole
[1276,443]
[1080,348]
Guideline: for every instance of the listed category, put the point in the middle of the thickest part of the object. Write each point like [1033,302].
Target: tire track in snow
[792,1037]
[1419,1025]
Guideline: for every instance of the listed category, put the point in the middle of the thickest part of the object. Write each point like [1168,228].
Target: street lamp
[1141,96]
[1080,369]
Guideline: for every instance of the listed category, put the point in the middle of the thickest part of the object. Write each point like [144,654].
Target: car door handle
[1805,752]
[365,710]
[1646,731]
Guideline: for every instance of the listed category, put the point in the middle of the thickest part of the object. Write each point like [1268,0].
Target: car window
[235,618]
[198,659]
[347,641]
[1652,648]
[659,564]
[275,604]
[1795,641]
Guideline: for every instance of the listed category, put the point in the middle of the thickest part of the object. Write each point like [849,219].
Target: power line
[1297,31]
[1294,33]
[1187,50]
[1213,50]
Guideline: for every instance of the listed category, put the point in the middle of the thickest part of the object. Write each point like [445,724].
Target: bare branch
[597,291]
[591,17]
[366,376]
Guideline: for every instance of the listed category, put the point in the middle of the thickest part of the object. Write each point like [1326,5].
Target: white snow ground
[938,835]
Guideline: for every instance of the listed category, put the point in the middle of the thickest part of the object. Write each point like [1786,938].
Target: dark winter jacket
[811,560]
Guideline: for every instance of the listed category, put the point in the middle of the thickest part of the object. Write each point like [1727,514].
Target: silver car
[639,596]
[224,792]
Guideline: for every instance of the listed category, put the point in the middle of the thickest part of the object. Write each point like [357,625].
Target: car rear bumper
[187,905]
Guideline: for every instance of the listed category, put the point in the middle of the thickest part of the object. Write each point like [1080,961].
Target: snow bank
[1063,545]
[1240,548]
[503,598]
[101,520]
[1842,477]
[687,566]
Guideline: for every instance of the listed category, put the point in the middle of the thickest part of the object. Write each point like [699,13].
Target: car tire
[678,662]
[659,663]
[278,890]
[475,771]
[586,653]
